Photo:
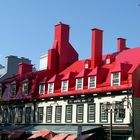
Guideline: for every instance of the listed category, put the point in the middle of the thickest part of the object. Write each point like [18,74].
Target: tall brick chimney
[63,54]
[96,50]
[121,44]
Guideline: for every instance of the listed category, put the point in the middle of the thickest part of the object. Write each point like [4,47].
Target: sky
[27,26]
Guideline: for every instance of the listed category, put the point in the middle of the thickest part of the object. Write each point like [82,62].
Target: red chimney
[24,68]
[63,54]
[121,44]
[96,52]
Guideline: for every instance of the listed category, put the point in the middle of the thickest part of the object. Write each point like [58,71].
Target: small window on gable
[41,88]
[25,88]
[108,61]
[50,87]
[115,79]
[79,84]
[13,89]
[92,82]
[64,86]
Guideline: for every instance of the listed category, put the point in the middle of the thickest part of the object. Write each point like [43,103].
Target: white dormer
[50,87]
[64,86]
[115,78]
[79,83]
[91,82]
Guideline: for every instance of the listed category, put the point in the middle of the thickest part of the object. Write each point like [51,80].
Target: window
[115,79]
[25,88]
[91,113]
[41,88]
[92,82]
[40,114]
[50,87]
[80,112]
[64,86]
[28,115]
[58,112]
[13,89]
[69,113]
[5,115]
[119,111]
[103,113]
[79,84]
[12,115]
[49,114]
[108,61]
[19,114]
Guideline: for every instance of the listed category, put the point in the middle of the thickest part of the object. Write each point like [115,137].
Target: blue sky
[27,26]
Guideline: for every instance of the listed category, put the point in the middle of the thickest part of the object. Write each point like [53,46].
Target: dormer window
[79,84]
[50,87]
[115,79]
[41,88]
[25,88]
[64,86]
[92,82]
[13,89]
[108,61]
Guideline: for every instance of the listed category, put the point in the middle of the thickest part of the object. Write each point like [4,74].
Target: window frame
[81,83]
[91,113]
[13,89]
[19,114]
[24,90]
[42,88]
[105,113]
[81,114]
[58,115]
[67,114]
[91,82]
[40,114]
[113,79]
[49,115]
[51,87]
[64,88]
[28,114]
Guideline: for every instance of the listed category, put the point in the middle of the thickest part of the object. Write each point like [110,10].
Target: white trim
[81,83]
[89,82]
[62,86]
[51,87]
[117,84]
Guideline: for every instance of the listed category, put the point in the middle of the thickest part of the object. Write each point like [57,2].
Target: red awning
[71,137]
[44,133]
[60,136]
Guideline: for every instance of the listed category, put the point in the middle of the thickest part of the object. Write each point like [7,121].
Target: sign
[80,100]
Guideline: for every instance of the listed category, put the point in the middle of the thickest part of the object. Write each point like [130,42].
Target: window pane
[64,85]
[50,88]
[80,111]
[79,83]
[92,82]
[42,88]
[25,87]
[28,115]
[116,79]
[103,113]
[13,89]
[49,114]
[69,113]
[19,115]
[58,114]
[40,114]
[91,113]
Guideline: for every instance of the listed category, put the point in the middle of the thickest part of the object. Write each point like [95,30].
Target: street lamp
[114,107]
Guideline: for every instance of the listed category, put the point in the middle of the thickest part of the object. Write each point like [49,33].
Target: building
[11,67]
[100,95]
